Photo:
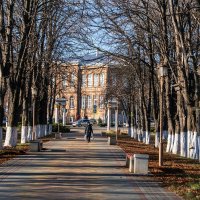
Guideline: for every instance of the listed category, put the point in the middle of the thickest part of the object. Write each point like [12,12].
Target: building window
[83,102]
[72,82]
[71,102]
[83,80]
[95,100]
[53,80]
[89,80]
[89,101]
[102,79]
[96,80]
[101,102]
[64,82]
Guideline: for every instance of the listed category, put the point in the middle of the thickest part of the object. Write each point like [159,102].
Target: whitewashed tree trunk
[194,147]
[11,136]
[37,131]
[147,137]
[24,134]
[172,143]
[41,130]
[50,129]
[143,136]
[198,144]
[183,144]
[29,137]
[169,141]
[157,137]
[165,134]
[132,131]
[139,135]
[135,133]
[1,138]
[45,129]
[129,131]
[189,142]
[176,144]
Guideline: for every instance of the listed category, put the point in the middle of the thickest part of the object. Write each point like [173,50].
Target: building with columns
[85,87]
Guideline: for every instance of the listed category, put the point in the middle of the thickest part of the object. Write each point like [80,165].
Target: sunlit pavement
[71,168]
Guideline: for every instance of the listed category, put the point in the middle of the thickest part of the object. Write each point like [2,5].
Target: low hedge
[109,133]
[105,124]
[63,129]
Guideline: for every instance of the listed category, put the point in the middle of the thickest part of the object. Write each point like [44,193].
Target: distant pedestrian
[88,131]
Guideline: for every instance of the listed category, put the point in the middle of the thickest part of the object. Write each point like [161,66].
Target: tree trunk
[1,124]
[11,136]
[29,136]
[13,118]
[1,137]
[169,141]
[50,129]
[157,134]
[170,110]
[24,128]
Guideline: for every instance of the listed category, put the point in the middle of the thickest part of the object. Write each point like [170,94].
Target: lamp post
[34,93]
[116,119]
[108,115]
[60,102]
[162,73]
[64,116]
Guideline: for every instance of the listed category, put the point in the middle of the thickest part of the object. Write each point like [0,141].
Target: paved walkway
[73,169]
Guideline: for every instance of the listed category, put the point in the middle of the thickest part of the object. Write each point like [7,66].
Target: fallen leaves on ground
[10,152]
[178,174]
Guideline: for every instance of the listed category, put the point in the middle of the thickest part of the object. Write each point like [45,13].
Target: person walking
[88,131]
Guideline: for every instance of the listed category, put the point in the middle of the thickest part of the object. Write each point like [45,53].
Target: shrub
[109,133]
[99,121]
[152,129]
[63,129]
[103,124]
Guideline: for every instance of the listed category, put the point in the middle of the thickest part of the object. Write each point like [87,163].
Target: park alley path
[71,168]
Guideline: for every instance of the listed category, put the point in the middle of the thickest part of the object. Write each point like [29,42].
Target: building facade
[85,87]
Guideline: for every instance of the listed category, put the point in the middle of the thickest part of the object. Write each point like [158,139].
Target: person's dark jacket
[88,130]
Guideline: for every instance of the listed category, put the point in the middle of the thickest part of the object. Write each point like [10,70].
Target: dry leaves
[179,174]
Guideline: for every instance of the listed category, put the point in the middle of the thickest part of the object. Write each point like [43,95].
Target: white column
[108,119]
[64,116]
[116,119]
[56,114]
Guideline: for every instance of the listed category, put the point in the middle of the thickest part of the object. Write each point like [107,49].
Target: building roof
[92,60]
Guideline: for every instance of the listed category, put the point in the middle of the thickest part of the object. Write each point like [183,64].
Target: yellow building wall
[77,91]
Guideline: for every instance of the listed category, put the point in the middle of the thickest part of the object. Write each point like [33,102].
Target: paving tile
[75,169]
